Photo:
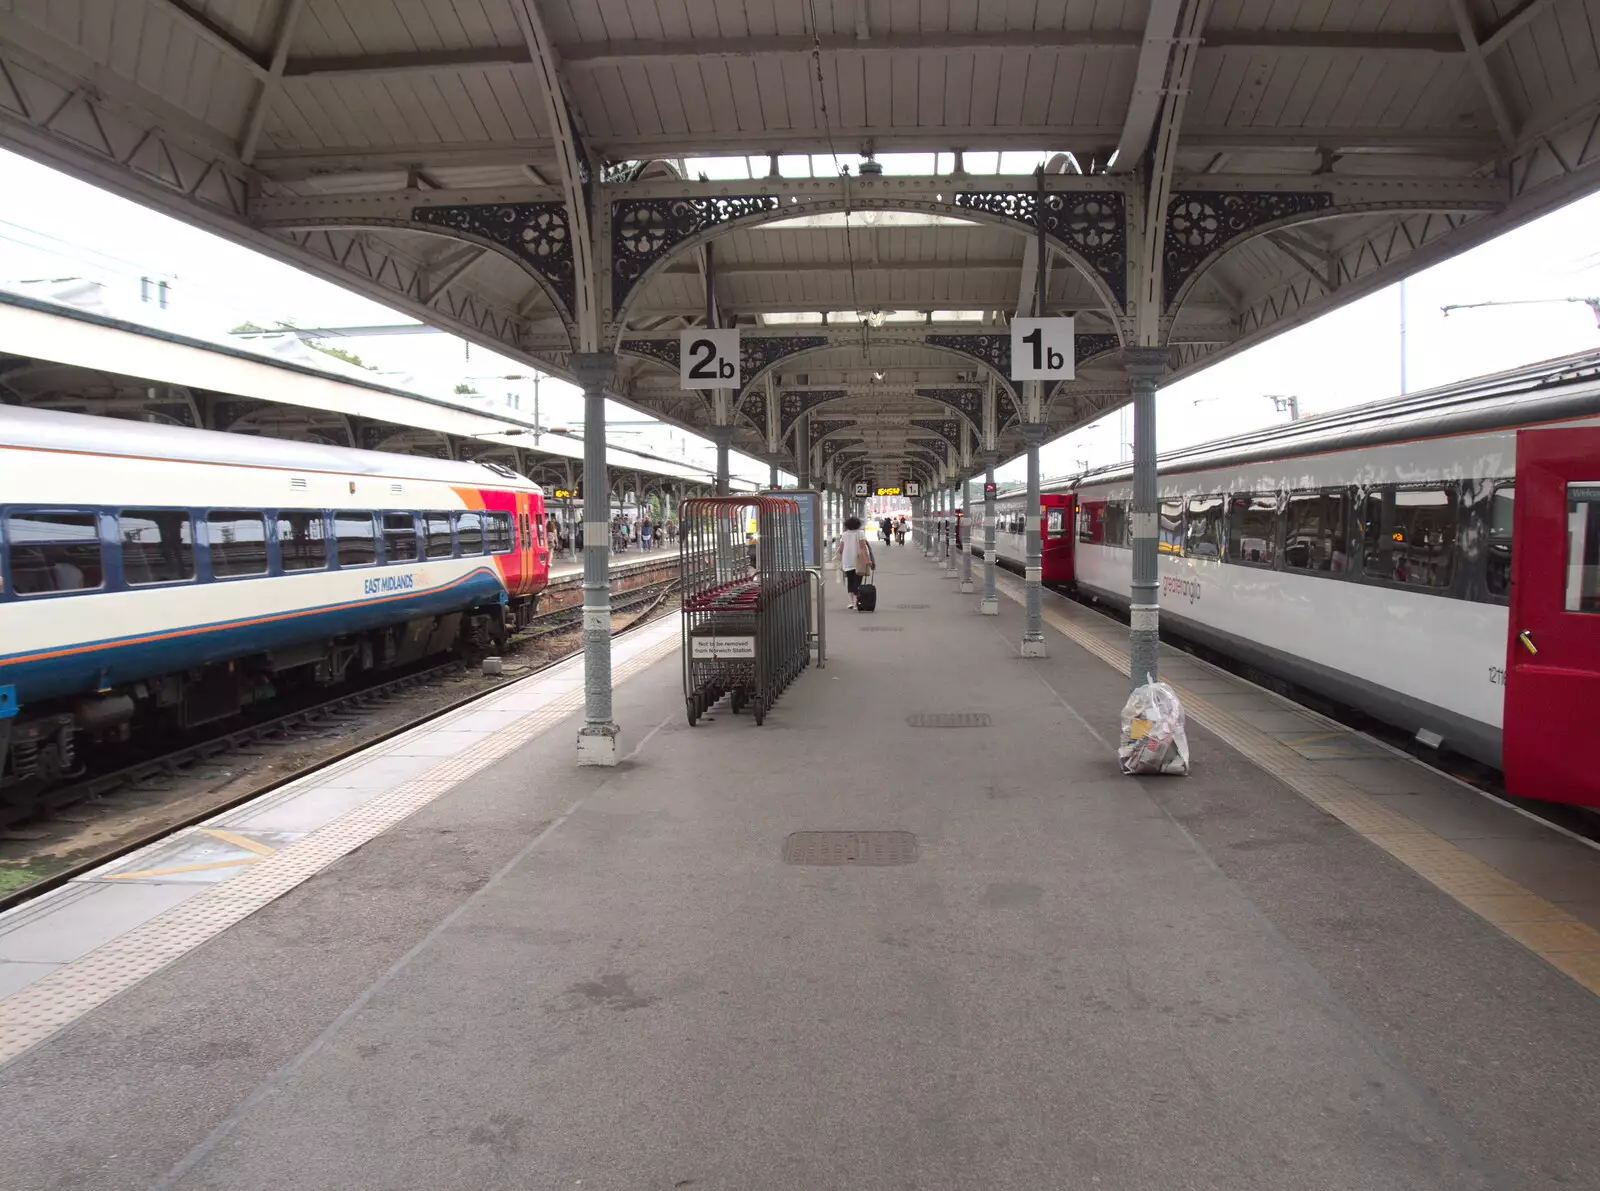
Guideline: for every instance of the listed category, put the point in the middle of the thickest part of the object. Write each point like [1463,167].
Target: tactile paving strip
[32,1014]
[1547,930]
[949,719]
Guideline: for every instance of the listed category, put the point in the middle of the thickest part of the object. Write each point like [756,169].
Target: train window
[53,551]
[469,531]
[302,541]
[1409,536]
[1119,530]
[1092,522]
[357,544]
[1315,532]
[1055,522]
[157,545]
[1497,556]
[1583,548]
[1171,541]
[497,528]
[436,528]
[400,537]
[237,543]
[1202,538]
[1252,528]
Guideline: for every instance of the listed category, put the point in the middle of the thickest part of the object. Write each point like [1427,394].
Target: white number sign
[709,359]
[1041,349]
[913,488]
[861,488]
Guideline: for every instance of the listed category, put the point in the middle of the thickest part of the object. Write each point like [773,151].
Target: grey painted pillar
[990,605]
[966,544]
[772,473]
[802,450]
[1033,433]
[1145,366]
[597,739]
[723,437]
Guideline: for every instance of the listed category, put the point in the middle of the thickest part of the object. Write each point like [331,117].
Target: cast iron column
[597,739]
[723,437]
[1033,594]
[990,605]
[966,546]
[1145,366]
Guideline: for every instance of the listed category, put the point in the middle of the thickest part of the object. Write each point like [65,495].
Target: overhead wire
[833,151]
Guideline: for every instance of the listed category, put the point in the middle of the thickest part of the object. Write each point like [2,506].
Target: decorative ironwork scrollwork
[537,234]
[1094,223]
[1087,347]
[948,429]
[757,353]
[754,408]
[822,427]
[796,402]
[643,231]
[663,350]
[1202,222]
[993,350]
[968,401]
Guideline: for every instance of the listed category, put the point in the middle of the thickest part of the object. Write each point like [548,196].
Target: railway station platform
[460,961]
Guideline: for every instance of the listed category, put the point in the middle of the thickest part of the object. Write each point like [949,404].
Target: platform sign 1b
[1041,349]
[709,359]
[913,489]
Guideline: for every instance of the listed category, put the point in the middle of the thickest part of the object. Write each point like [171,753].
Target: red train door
[1553,652]
[1057,527]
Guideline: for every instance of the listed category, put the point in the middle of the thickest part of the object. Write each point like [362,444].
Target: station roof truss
[547,177]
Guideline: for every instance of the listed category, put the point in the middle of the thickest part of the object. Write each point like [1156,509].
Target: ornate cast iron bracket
[948,429]
[793,404]
[1201,223]
[1094,224]
[537,234]
[644,231]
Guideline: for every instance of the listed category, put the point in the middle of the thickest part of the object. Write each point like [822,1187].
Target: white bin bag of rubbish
[1152,732]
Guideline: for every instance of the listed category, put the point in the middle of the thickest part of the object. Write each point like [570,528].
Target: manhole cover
[850,847]
[912,607]
[949,719]
[881,628]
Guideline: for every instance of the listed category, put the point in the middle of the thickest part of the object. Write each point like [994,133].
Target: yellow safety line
[1542,927]
[238,841]
[182,868]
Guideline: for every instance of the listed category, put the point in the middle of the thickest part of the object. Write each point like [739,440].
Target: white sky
[53,226]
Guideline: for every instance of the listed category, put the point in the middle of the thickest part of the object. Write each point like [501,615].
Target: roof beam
[295,165]
[1503,31]
[422,61]
[588,55]
[214,34]
[270,84]
[1480,67]
[1149,85]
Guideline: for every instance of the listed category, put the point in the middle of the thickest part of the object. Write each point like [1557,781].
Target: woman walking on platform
[853,553]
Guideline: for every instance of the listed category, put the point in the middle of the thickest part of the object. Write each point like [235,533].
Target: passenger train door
[1552,699]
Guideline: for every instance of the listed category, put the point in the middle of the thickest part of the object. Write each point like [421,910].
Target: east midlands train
[160,576]
[1432,560]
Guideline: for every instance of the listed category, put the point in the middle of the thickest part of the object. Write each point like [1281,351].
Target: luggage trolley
[746,608]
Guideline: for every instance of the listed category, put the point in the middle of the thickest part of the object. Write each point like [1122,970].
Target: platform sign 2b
[1041,349]
[709,359]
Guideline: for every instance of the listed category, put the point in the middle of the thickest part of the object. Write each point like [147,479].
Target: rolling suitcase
[866,597]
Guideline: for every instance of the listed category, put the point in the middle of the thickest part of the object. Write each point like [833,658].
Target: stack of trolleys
[746,607]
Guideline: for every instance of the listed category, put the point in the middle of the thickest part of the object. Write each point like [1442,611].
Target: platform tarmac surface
[562,978]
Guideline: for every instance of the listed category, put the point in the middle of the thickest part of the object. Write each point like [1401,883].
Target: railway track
[191,761]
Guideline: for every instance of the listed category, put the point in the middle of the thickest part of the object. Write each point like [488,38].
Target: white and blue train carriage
[162,575]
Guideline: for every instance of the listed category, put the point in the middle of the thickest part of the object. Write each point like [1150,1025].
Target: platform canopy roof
[556,176]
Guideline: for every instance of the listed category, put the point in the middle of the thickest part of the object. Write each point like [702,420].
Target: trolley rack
[746,601]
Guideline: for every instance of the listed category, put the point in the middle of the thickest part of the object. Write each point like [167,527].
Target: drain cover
[850,847]
[881,628]
[949,719]
[912,607]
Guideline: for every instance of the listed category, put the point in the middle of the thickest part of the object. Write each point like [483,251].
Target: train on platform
[1431,560]
[155,576]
